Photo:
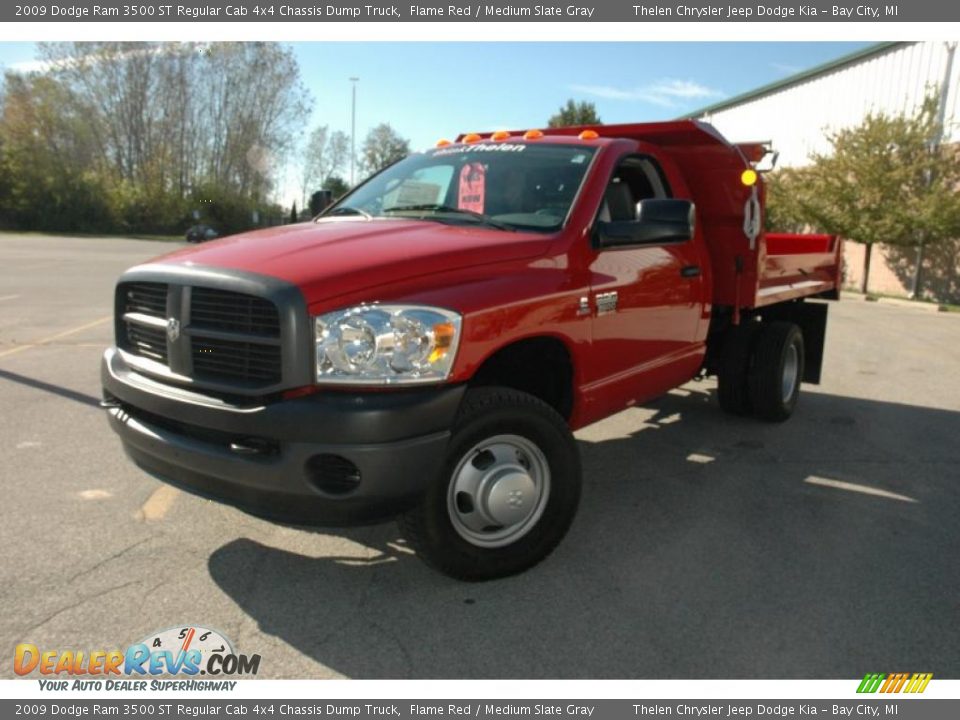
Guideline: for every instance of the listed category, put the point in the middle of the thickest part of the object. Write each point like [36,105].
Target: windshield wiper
[435,207]
[347,210]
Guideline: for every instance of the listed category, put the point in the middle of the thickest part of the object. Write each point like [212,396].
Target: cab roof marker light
[533,134]
[589,135]
[443,143]
[500,135]
[472,138]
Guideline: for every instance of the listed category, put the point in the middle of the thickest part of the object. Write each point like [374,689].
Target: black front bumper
[285,460]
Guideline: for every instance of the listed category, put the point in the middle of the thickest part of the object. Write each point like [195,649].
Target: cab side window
[636,178]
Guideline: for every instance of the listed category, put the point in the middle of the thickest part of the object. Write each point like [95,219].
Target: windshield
[508,186]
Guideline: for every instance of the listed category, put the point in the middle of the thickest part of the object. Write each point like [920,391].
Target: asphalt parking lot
[827,547]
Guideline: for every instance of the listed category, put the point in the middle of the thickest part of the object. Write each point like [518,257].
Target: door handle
[689,271]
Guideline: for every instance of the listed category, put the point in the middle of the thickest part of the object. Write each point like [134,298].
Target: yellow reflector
[749,177]
[589,135]
[443,143]
[442,340]
[533,134]
[471,138]
[500,135]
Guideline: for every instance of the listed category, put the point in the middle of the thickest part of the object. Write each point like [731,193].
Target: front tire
[508,491]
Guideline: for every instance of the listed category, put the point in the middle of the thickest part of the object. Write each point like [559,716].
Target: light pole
[353,133]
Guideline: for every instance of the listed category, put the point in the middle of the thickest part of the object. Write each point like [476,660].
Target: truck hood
[330,258]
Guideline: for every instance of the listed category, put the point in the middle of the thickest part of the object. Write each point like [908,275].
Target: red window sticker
[472,186]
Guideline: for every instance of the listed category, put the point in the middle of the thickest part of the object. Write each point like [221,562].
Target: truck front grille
[245,361]
[225,310]
[147,341]
[146,297]
[219,338]
[142,303]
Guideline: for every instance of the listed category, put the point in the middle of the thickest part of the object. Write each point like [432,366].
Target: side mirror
[658,221]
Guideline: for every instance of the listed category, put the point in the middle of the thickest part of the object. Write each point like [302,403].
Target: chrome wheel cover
[498,491]
[791,371]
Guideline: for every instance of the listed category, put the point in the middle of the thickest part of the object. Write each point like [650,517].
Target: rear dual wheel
[761,370]
[776,371]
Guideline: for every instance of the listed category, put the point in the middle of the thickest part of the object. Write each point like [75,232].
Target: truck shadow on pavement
[705,547]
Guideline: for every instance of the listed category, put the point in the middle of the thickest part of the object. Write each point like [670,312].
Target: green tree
[575,113]
[382,147]
[887,180]
[336,185]
[117,136]
[324,155]
[294,217]
[47,156]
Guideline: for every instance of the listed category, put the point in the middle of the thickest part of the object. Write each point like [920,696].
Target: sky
[433,90]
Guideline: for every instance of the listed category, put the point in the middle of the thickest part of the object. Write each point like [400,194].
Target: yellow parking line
[48,340]
[157,505]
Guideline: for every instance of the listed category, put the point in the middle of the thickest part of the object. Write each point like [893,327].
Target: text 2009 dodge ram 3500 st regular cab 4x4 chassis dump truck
[425,348]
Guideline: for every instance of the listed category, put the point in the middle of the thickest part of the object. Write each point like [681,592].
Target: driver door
[646,299]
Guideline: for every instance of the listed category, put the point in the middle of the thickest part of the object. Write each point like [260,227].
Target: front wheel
[508,491]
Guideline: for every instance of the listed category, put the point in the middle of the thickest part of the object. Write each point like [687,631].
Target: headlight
[386,345]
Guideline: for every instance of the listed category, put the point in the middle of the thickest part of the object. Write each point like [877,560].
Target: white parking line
[854,487]
[8,297]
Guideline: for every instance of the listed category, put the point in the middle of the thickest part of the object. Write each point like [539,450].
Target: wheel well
[539,366]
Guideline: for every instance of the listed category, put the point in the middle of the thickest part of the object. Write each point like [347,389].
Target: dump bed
[794,266]
[746,274]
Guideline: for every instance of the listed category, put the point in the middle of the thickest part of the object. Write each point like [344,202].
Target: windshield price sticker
[472,187]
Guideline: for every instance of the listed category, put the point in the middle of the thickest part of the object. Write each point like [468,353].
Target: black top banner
[462,11]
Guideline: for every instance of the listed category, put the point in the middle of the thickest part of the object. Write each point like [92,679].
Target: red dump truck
[425,348]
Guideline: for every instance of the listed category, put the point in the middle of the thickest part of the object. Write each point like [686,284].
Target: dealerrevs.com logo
[185,651]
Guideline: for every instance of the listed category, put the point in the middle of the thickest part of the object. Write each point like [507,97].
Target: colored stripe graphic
[919,682]
[894,682]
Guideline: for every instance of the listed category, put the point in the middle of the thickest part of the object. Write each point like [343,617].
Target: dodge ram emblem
[173,329]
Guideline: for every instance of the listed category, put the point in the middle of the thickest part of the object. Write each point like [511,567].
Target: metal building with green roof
[890,77]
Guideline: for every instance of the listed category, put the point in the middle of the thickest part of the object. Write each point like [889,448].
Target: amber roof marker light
[589,135]
[443,143]
[500,135]
[472,138]
[533,134]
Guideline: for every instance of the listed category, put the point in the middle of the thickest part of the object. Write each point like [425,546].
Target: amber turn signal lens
[443,334]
